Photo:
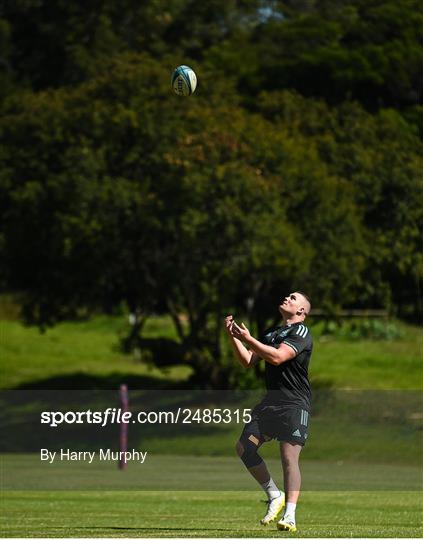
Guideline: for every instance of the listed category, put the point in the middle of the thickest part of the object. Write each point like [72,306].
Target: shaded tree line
[297,164]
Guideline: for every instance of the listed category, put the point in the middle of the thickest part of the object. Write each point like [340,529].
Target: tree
[114,191]
[375,160]
[368,51]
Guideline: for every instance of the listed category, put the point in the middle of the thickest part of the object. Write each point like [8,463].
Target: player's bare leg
[290,454]
[276,498]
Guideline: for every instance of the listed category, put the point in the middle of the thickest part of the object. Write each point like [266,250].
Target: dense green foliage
[297,164]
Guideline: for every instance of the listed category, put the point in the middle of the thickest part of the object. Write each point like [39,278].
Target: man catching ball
[283,414]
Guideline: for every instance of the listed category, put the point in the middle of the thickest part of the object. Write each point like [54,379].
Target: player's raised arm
[245,357]
[272,355]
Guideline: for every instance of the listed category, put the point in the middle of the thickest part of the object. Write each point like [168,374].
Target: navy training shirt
[288,383]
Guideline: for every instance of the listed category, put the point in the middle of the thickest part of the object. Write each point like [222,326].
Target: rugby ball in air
[184,81]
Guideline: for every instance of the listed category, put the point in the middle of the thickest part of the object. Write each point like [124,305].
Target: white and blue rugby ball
[184,81]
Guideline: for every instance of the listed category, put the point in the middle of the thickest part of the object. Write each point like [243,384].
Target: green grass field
[25,472]
[202,497]
[87,353]
[362,468]
[206,514]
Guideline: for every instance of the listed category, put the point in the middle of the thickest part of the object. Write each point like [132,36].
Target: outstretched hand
[240,332]
[229,320]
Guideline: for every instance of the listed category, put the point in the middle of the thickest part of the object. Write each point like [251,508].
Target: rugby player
[283,414]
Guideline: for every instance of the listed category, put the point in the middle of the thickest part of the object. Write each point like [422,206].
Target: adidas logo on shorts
[296,433]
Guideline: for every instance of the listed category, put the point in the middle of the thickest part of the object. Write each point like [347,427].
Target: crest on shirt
[278,335]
